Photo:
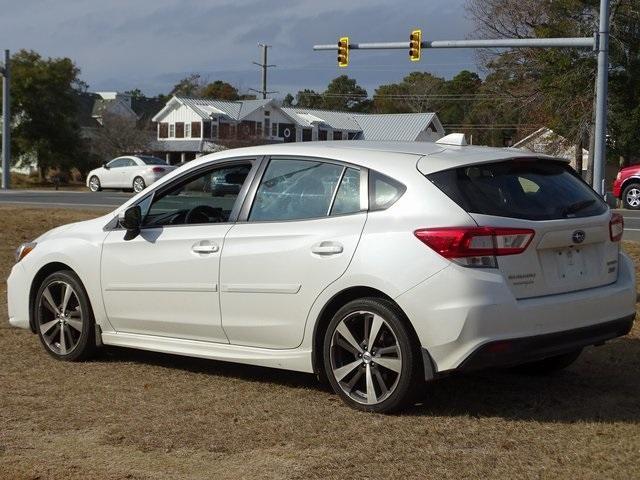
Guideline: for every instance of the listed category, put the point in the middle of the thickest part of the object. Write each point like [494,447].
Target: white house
[189,127]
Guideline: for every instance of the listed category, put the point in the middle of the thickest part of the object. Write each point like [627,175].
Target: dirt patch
[139,415]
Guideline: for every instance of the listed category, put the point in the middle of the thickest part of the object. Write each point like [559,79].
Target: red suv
[626,187]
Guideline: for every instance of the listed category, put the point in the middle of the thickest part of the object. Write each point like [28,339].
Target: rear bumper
[515,351]
[458,311]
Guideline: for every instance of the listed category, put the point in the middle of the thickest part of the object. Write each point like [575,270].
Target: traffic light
[415,45]
[343,52]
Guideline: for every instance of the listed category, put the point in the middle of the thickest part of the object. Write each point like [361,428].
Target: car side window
[348,196]
[293,189]
[208,197]
[131,162]
[117,163]
[383,191]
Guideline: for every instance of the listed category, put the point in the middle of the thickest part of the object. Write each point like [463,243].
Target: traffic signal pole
[599,43]
[6,121]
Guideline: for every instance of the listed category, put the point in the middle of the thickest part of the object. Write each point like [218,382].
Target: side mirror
[132,221]
[105,166]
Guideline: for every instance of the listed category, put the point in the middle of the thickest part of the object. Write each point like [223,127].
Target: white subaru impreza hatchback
[376,265]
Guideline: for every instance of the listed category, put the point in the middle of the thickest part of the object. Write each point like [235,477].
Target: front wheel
[138,184]
[64,319]
[94,184]
[370,358]
[631,196]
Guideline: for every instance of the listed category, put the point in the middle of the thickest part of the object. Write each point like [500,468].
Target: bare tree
[120,135]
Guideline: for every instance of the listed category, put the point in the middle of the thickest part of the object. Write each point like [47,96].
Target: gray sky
[150,44]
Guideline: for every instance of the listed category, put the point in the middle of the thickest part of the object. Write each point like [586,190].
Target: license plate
[571,264]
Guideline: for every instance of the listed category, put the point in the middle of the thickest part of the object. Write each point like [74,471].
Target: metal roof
[336,120]
[394,126]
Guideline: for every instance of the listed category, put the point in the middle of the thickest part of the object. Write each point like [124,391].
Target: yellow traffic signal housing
[343,52]
[415,45]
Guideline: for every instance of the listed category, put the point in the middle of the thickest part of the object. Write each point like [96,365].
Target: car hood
[76,228]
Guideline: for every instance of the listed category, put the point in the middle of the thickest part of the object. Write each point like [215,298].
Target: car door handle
[327,248]
[205,247]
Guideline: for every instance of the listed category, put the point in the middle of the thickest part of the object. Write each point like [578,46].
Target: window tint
[118,162]
[207,198]
[348,196]
[528,189]
[295,189]
[383,191]
[130,162]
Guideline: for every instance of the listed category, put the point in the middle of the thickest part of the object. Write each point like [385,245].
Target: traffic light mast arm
[578,42]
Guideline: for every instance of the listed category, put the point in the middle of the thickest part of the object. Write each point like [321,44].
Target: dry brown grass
[132,414]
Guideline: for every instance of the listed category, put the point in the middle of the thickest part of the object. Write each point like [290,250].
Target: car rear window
[152,160]
[531,189]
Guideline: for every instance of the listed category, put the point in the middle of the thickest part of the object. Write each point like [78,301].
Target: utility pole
[599,43]
[265,66]
[5,71]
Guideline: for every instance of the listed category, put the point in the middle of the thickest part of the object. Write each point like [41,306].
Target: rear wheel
[548,365]
[94,184]
[370,358]
[64,319]
[138,184]
[631,196]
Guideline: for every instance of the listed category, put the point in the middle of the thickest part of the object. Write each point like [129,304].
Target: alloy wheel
[61,318]
[366,358]
[633,197]
[94,184]
[138,185]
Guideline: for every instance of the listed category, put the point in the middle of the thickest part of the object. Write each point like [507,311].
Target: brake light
[157,169]
[476,246]
[616,227]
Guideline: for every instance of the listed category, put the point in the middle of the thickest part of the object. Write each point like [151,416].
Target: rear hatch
[572,247]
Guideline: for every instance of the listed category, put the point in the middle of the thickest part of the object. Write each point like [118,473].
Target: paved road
[110,199]
[106,200]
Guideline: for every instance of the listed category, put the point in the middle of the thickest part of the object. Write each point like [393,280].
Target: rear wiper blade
[576,207]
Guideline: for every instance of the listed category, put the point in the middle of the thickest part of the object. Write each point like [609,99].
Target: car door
[296,237]
[110,178]
[165,280]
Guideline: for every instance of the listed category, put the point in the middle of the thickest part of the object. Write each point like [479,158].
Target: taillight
[616,227]
[476,246]
[157,169]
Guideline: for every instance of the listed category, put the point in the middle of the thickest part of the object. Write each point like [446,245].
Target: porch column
[168,157]
[183,157]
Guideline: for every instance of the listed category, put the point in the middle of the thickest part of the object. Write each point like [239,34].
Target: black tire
[97,181]
[409,378]
[85,338]
[629,192]
[548,365]
[141,181]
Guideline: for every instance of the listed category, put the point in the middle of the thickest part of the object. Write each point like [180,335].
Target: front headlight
[24,249]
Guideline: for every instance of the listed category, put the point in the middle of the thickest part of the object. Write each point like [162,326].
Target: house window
[267,126]
[196,130]
[187,130]
[267,113]
[274,130]
[163,130]
[179,129]
[214,130]
[337,135]
[322,134]
[172,130]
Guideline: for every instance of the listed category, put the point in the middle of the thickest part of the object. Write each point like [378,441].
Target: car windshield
[152,160]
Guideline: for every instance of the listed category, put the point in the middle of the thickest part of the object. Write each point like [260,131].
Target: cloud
[150,44]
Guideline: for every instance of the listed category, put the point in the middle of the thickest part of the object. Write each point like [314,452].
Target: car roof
[386,157]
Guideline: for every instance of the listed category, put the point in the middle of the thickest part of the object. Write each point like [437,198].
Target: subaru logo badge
[578,236]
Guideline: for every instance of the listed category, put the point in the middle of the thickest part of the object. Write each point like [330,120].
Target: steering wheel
[203,214]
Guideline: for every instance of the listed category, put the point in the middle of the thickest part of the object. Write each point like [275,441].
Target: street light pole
[602,90]
[5,71]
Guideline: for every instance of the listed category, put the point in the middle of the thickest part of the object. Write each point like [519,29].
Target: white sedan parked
[130,172]
[375,265]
